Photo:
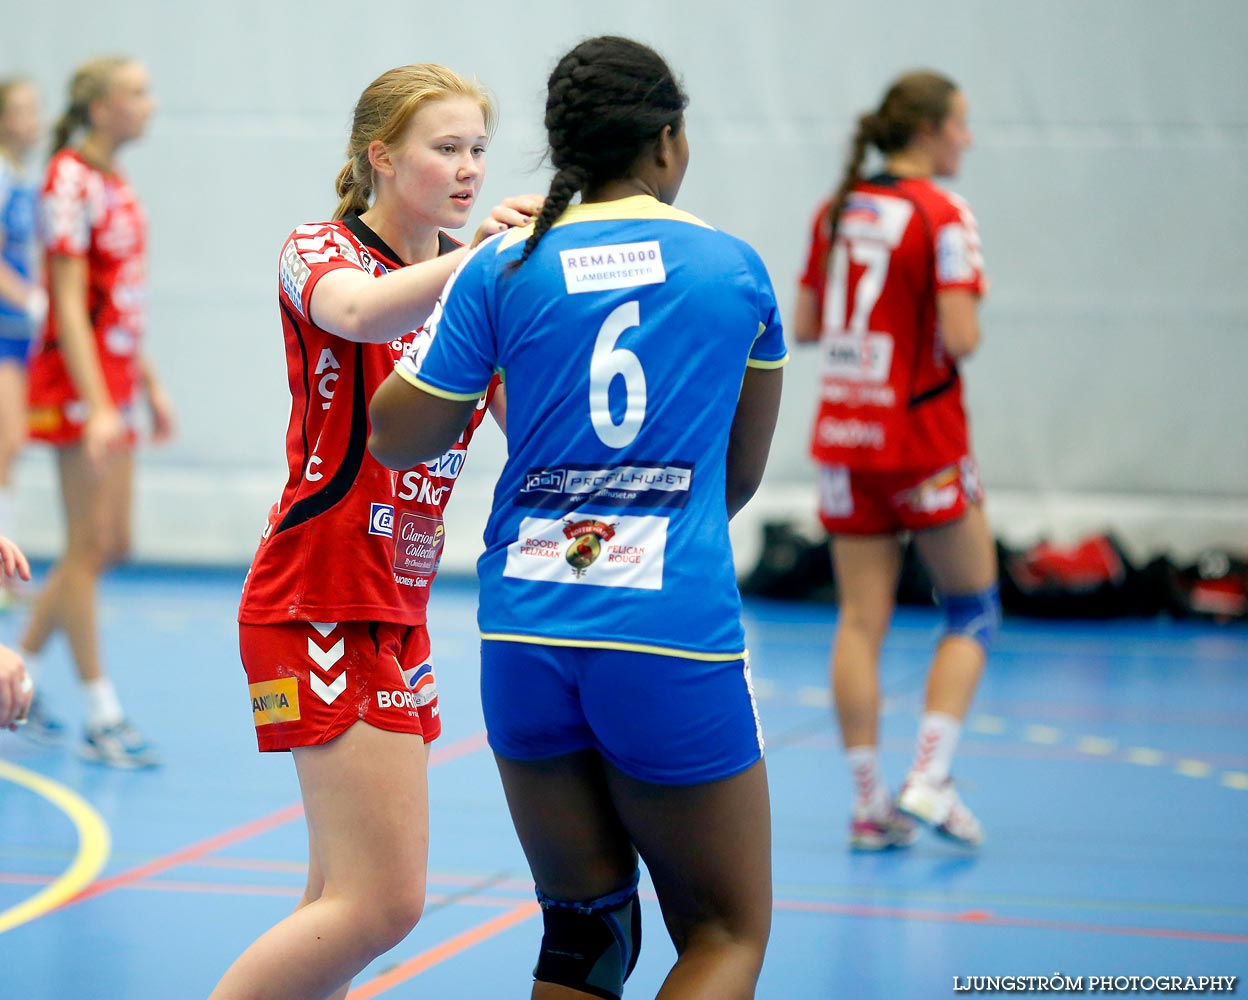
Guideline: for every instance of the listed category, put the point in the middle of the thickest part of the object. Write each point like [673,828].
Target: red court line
[188,854]
[441,952]
[453,751]
[982,918]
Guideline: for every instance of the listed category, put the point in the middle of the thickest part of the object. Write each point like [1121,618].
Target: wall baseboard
[206,517]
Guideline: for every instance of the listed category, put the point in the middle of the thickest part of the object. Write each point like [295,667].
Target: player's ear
[664,147]
[379,158]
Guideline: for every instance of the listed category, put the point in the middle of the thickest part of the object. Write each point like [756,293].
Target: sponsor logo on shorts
[411,700]
[936,493]
[275,701]
[381,520]
[836,498]
[421,682]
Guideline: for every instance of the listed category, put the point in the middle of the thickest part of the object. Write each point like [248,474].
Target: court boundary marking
[94,847]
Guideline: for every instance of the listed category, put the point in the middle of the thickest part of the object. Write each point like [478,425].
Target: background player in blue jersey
[23,302]
[641,350]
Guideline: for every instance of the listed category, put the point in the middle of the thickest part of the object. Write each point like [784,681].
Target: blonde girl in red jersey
[891,291]
[85,379]
[332,621]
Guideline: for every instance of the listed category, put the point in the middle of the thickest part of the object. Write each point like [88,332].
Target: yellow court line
[94,845]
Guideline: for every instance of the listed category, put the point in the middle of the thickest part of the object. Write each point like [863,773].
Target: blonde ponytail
[353,191]
[89,83]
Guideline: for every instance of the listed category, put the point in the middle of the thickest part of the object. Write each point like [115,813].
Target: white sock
[103,706]
[870,795]
[938,739]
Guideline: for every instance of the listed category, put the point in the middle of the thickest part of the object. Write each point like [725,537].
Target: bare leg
[961,559]
[12,435]
[708,849]
[12,422]
[575,843]
[367,803]
[312,892]
[95,506]
[867,568]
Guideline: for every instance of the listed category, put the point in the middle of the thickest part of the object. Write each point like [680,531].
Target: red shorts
[886,502]
[310,682]
[57,415]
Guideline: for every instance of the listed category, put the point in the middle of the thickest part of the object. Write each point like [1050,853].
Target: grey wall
[1109,178]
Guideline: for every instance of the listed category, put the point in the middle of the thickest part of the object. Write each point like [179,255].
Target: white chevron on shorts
[324,627]
[324,659]
[327,692]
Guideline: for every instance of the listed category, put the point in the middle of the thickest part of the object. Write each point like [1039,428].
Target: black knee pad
[591,946]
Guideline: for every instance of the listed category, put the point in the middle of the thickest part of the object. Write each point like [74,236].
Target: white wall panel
[1110,179]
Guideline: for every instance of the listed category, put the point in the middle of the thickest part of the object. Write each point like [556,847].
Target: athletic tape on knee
[976,616]
[590,945]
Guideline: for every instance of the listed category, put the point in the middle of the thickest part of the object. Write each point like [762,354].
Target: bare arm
[957,316]
[750,438]
[410,426]
[15,289]
[158,402]
[356,306]
[807,324]
[104,428]
[67,278]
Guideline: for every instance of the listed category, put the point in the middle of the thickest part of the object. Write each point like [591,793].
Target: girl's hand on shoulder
[510,213]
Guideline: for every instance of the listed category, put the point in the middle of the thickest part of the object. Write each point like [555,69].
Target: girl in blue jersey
[642,351]
[23,302]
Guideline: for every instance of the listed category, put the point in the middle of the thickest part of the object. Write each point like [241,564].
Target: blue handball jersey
[18,197]
[622,342]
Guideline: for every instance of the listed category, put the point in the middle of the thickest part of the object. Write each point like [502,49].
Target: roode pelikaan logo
[587,538]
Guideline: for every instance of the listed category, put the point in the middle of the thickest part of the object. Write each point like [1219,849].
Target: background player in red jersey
[891,291]
[84,380]
[332,620]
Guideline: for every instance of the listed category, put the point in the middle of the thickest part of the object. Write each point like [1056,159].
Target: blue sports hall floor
[1108,763]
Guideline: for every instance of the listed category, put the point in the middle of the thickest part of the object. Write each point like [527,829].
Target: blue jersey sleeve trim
[433,390]
[765,364]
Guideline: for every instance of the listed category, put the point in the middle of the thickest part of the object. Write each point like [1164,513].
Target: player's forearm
[14,289]
[376,310]
[82,360]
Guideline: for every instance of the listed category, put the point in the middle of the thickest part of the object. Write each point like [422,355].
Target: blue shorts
[668,720]
[14,349]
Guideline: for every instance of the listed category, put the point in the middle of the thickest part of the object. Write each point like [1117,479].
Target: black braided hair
[606,102]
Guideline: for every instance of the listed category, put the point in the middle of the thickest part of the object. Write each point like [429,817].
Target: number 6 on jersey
[605,364]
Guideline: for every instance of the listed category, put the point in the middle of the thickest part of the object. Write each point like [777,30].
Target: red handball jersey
[94,215]
[349,540]
[890,397]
